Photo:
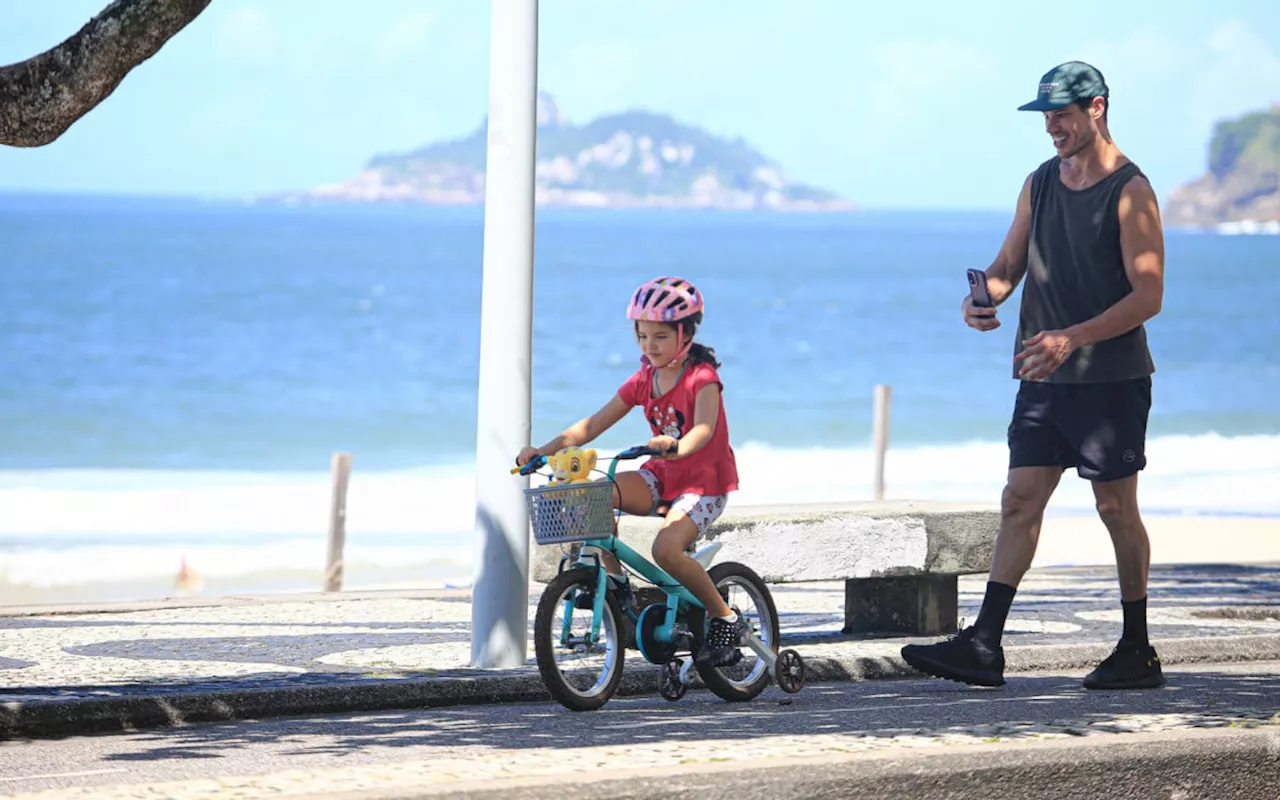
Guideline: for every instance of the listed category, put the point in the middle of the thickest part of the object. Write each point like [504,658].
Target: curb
[58,718]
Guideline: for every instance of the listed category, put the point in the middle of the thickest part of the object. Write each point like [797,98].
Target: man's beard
[1089,138]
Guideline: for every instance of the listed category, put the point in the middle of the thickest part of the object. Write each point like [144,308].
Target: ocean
[177,374]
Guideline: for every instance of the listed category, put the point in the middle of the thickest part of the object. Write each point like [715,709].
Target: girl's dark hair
[698,353]
[701,354]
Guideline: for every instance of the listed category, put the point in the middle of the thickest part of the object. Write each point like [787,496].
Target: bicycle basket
[571,512]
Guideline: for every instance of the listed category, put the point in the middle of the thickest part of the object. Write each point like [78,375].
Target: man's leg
[1118,508]
[1022,505]
[1111,454]
[1038,454]
[1134,664]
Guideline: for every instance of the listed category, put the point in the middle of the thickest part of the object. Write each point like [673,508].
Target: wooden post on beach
[880,434]
[337,522]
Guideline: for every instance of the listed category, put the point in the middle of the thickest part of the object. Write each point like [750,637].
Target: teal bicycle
[581,625]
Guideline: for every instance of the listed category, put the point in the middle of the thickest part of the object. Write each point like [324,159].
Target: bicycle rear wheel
[580,675]
[743,589]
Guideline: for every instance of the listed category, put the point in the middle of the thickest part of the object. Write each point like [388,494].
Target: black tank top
[1075,271]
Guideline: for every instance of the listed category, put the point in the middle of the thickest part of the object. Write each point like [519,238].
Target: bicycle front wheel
[581,673]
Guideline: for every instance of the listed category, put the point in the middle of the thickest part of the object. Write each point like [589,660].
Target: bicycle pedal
[735,657]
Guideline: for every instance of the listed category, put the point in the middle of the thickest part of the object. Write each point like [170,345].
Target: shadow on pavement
[1026,708]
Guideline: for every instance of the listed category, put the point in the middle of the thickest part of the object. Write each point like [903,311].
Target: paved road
[1213,730]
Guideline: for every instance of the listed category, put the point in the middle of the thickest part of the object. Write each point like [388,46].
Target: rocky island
[625,160]
[1241,191]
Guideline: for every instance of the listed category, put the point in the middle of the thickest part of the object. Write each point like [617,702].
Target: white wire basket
[571,512]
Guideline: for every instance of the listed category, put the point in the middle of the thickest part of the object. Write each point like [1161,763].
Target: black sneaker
[961,658]
[622,591]
[723,640]
[585,601]
[1130,666]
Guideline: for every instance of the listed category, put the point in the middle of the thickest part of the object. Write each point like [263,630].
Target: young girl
[679,389]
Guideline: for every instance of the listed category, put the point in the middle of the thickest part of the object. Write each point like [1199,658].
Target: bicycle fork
[597,611]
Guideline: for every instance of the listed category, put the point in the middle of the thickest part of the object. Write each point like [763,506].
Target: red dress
[709,472]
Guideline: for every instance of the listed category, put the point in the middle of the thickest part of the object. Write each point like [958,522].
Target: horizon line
[263,200]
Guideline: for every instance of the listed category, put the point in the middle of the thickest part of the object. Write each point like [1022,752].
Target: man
[1087,237]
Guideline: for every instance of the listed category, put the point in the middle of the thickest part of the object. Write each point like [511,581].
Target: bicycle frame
[677,595]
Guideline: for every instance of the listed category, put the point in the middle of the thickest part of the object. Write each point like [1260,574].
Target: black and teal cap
[1066,84]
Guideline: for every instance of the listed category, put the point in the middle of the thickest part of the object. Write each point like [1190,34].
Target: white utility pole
[500,594]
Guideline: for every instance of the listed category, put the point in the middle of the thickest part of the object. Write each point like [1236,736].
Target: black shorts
[1098,428]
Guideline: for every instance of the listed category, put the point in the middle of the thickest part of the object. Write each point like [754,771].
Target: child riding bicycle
[680,391]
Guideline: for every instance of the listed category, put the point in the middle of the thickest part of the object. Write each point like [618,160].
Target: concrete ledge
[899,560]
[167,706]
[832,541]
[922,604]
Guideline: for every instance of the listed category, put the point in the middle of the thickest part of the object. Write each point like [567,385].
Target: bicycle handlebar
[539,461]
[641,450]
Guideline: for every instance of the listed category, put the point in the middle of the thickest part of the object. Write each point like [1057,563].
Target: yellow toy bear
[572,465]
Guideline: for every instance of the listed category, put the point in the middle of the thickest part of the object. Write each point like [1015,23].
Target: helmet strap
[684,347]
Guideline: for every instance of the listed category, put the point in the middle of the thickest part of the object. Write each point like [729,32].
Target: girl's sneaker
[621,589]
[723,640]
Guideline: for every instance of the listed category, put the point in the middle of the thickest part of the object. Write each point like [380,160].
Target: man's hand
[1042,354]
[978,317]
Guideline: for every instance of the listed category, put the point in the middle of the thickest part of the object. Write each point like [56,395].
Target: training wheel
[789,671]
[669,684]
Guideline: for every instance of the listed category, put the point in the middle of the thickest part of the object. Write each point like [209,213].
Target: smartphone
[978,289]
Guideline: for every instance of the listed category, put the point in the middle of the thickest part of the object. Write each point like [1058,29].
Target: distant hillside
[1243,181]
[635,158]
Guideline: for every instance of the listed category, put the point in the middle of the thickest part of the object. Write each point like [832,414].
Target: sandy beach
[1083,540]
[1066,540]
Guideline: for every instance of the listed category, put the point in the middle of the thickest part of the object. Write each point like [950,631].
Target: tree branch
[41,98]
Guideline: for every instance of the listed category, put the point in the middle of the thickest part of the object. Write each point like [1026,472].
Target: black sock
[1135,622]
[995,610]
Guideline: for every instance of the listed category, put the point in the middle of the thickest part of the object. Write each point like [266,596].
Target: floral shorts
[702,510]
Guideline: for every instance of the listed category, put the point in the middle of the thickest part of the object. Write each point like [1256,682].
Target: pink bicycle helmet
[665,299]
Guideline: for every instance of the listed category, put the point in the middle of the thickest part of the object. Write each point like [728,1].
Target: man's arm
[1142,247]
[1010,265]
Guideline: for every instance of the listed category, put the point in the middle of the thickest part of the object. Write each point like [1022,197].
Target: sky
[892,105]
